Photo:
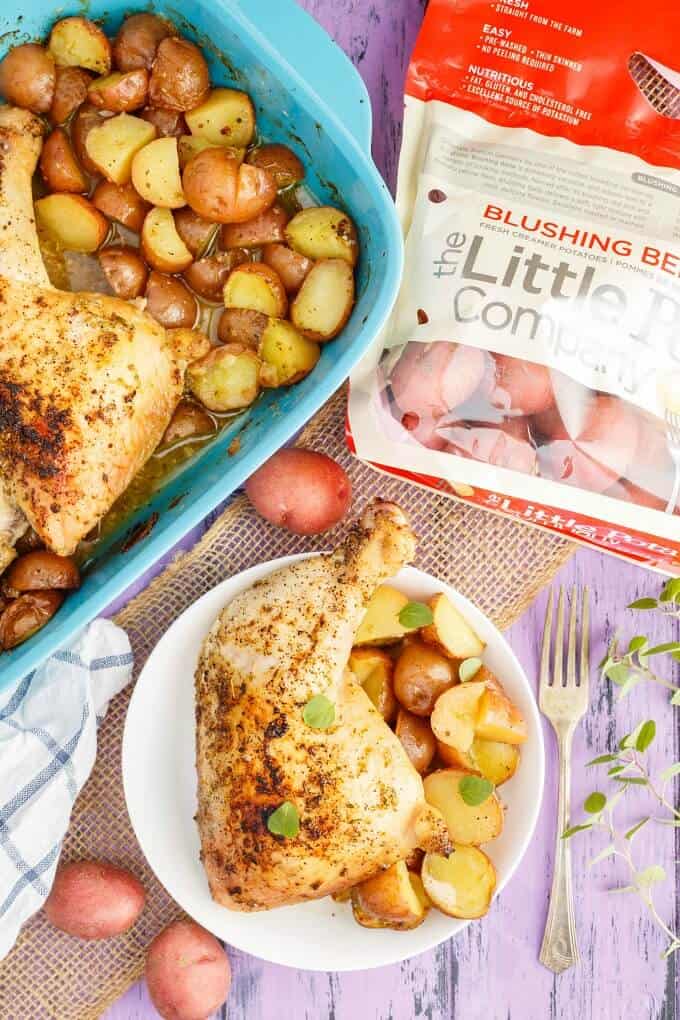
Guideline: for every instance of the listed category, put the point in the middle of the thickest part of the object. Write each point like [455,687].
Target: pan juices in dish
[304,789]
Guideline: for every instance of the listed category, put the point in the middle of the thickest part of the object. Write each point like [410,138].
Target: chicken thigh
[360,802]
[88,382]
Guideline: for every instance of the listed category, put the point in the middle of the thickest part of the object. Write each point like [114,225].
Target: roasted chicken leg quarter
[88,382]
[360,802]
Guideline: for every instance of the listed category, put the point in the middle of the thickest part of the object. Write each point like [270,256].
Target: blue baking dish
[308,94]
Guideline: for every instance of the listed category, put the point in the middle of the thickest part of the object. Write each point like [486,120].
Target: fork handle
[673,501]
[559,950]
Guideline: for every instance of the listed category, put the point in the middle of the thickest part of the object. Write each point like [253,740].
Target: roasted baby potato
[207,276]
[226,116]
[421,674]
[462,884]
[220,188]
[324,302]
[389,899]
[119,92]
[179,75]
[94,899]
[493,759]
[137,41]
[287,356]
[380,625]
[322,232]
[78,42]
[72,221]
[280,161]
[257,287]
[290,265]
[242,326]
[417,739]
[226,379]
[41,569]
[263,229]
[125,270]
[161,245]
[58,165]
[188,422]
[454,716]
[155,174]
[450,632]
[113,144]
[189,344]
[468,825]
[373,669]
[498,719]
[168,123]
[28,77]
[25,615]
[70,92]
[189,146]
[170,302]
[122,203]
[197,233]
[85,120]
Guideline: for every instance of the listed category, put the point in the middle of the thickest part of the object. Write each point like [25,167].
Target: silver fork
[563,698]
[673,437]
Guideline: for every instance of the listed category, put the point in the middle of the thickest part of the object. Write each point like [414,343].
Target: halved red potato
[454,717]
[431,379]
[290,265]
[468,825]
[125,270]
[226,379]
[242,326]
[70,92]
[138,39]
[120,91]
[323,232]
[78,42]
[389,899]
[189,146]
[113,144]
[122,203]
[450,631]
[28,77]
[263,229]
[287,356]
[280,161]
[380,624]
[161,245]
[58,165]
[208,275]
[421,674]
[493,759]
[257,287]
[188,422]
[155,174]
[84,121]
[522,386]
[168,123]
[417,739]
[170,302]
[227,115]
[72,221]
[325,300]
[197,233]
[499,719]
[220,188]
[180,79]
[462,884]
[373,669]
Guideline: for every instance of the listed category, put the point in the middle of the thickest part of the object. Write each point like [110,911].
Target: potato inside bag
[532,362]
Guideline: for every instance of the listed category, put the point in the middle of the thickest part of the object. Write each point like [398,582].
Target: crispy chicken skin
[88,382]
[360,801]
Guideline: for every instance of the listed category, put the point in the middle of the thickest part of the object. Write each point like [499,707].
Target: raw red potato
[424,431]
[522,386]
[94,900]
[187,972]
[301,490]
[505,445]
[431,379]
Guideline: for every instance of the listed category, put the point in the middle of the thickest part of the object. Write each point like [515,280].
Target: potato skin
[301,490]
[241,326]
[417,739]
[196,232]
[70,92]
[28,77]
[59,166]
[266,228]
[187,972]
[221,189]
[94,900]
[280,161]
[27,614]
[188,421]
[120,93]
[137,41]
[290,265]
[40,569]
[122,203]
[179,75]
[208,275]
[168,123]
[86,118]
[421,674]
[125,270]
[170,301]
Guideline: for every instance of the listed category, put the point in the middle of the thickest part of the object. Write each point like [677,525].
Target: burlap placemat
[496,561]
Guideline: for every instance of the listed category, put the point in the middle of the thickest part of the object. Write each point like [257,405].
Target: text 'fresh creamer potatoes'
[532,363]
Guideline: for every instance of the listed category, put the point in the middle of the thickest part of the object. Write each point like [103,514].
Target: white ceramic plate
[159,776]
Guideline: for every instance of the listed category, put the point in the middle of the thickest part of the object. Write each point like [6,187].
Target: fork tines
[573,677]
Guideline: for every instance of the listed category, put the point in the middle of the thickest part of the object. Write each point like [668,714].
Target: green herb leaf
[675,700]
[636,828]
[468,669]
[285,821]
[620,673]
[319,712]
[672,770]
[637,643]
[576,828]
[668,646]
[623,888]
[631,780]
[643,604]
[602,758]
[630,739]
[475,790]
[646,735]
[607,852]
[594,803]
[650,876]
[615,769]
[415,614]
[671,590]
[672,948]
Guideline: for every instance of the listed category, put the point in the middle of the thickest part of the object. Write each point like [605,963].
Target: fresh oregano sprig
[667,603]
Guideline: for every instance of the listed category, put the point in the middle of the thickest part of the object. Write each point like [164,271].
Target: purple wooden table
[491,971]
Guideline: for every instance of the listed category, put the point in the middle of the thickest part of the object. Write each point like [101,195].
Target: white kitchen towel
[48,744]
